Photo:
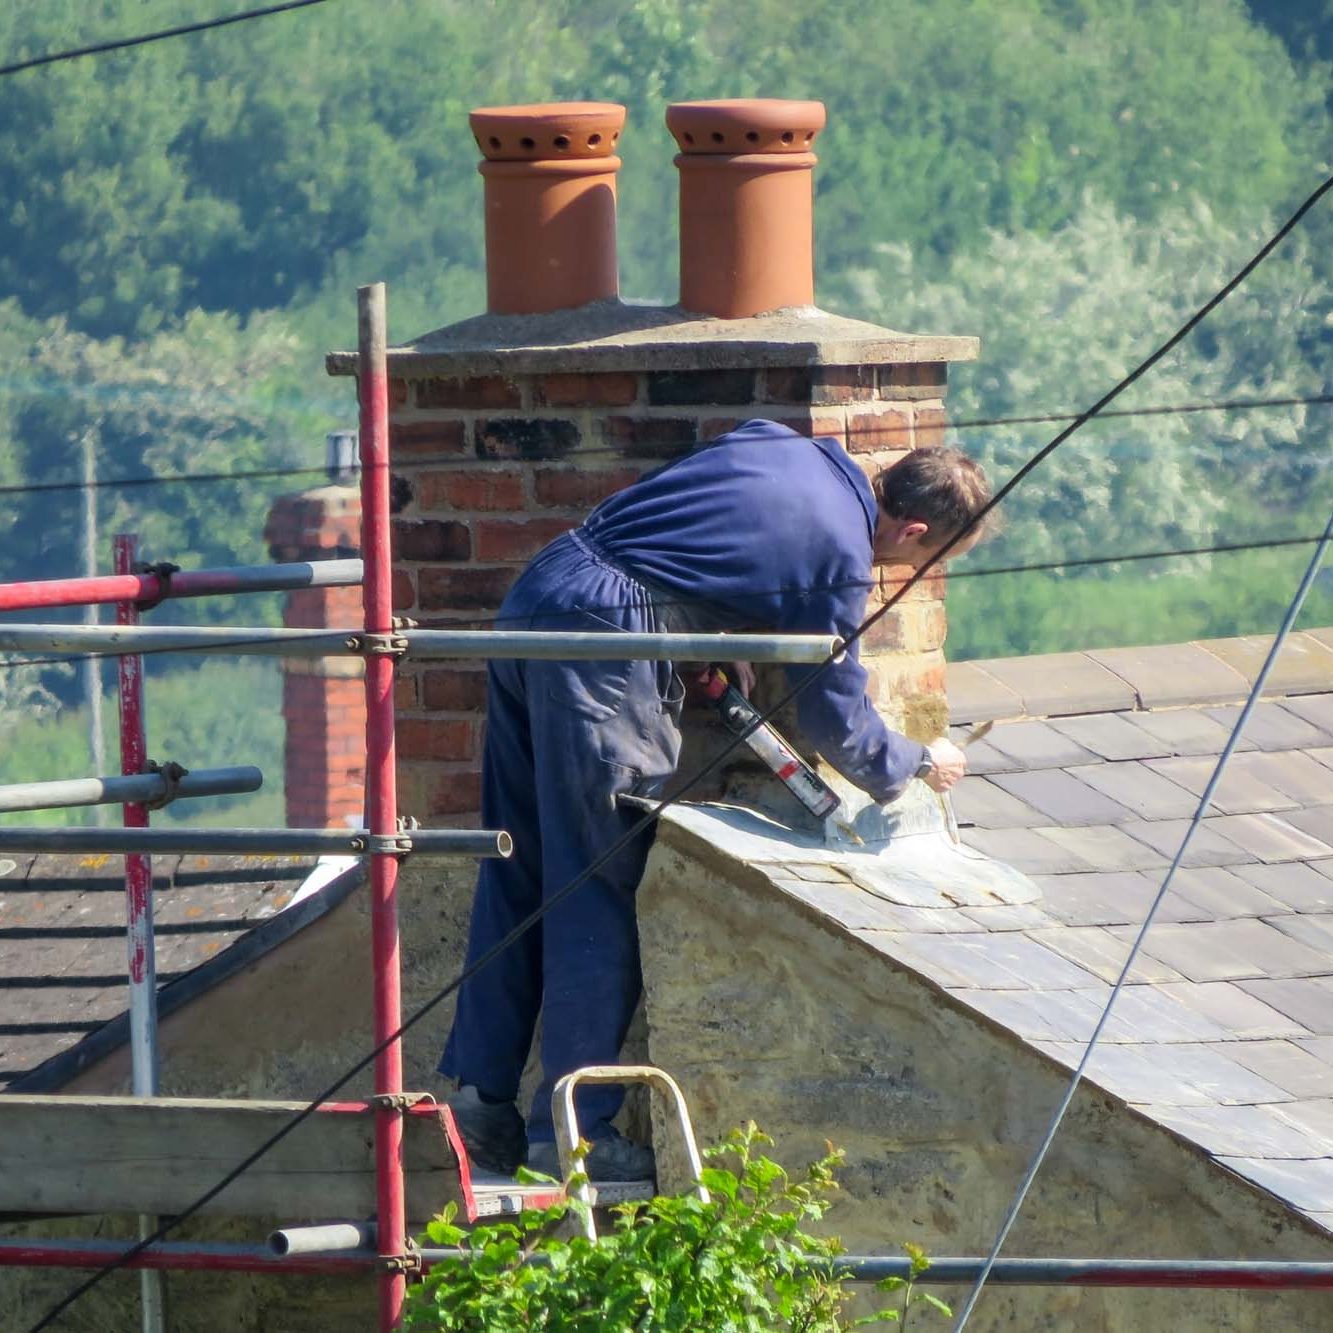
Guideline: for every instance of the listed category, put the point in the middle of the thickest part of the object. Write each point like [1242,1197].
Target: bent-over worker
[762,528]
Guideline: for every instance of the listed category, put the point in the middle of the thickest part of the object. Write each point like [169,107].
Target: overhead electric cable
[472,460]
[161,35]
[1011,1216]
[640,825]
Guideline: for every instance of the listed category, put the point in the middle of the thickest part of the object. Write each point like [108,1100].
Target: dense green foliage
[181,226]
[739,1263]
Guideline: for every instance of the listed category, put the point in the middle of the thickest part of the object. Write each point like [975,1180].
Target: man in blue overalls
[763,528]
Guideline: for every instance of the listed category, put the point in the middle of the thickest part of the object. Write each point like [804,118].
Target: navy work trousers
[563,741]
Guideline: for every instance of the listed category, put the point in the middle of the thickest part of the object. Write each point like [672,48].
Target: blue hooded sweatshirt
[771,529]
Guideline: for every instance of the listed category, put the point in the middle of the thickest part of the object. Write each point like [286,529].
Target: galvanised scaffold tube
[1241,1274]
[254,841]
[131,587]
[67,793]
[550,645]
[382,803]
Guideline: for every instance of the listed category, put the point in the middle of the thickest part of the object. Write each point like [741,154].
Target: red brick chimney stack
[323,698]
[509,427]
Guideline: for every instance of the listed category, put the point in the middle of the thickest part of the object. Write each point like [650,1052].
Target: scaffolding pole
[259,841]
[1214,1274]
[382,804]
[550,645]
[69,793]
[141,587]
[138,910]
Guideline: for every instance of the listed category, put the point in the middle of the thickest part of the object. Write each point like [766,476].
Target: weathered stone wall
[764,1011]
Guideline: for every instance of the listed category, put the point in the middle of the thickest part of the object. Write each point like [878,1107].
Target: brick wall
[488,469]
[323,699]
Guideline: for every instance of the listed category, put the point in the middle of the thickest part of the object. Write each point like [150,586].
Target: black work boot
[612,1158]
[492,1132]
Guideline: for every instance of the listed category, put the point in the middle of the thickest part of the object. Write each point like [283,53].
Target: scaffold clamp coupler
[403,622]
[387,844]
[410,1262]
[378,645]
[398,1101]
[171,774]
[162,571]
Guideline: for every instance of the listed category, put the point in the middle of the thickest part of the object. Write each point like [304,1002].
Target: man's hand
[949,765]
[742,677]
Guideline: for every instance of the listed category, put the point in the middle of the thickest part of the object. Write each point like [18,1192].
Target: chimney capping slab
[620,336]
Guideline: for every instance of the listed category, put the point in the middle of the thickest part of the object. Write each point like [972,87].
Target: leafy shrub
[740,1262]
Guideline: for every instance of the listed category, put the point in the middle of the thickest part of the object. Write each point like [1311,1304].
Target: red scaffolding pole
[382,798]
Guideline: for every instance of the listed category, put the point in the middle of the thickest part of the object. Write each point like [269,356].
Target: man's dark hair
[943,488]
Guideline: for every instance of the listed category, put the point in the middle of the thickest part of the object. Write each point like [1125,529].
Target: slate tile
[1139,788]
[1314,929]
[982,756]
[1235,1131]
[1221,895]
[1214,1071]
[1303,664]
[1055,684]
[1111,736]
[927,920]
[1105,847]
[1272,727]
[1058,1016]
[905,949]
[1101,953]
[1238,793]
[1006,916]
[1304,1184]
[1316,709]
[1064,799]
[1321,754]
[1286,1065]
[1317,821]
[977,800]
[1309,1000]
[1100,899]
[1294,773]
[1207,847]
[1033,745]
[976,696]
[1232,950]
[1186,730]
[1311,1115]
[1001,961]
[1149,1014]
[1025,850]
[847,905]
[1323,867]
[1171,674]
[1130,1073]
[1301,887]
[1243,1017]
[819,872]
[1321,1048]
[1269,838]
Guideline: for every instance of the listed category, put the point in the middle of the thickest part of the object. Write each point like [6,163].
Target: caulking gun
[800,779]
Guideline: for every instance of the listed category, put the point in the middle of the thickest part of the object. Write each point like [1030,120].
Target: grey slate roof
[63,989]
[1224,1034]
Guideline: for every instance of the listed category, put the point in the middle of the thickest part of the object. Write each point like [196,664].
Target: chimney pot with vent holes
[550,173]
[746,204]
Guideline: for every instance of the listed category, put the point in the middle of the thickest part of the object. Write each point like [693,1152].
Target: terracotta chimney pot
[746,204]
[550,174]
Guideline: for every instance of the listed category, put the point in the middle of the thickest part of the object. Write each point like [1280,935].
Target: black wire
[183,30]
[640,825]
[473,460]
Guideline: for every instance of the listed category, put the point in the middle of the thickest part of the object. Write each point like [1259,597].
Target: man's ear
[914,528]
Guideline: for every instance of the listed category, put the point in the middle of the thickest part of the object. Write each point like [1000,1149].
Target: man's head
[924,499]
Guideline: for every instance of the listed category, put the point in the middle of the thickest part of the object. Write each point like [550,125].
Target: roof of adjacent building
[1224,1032]
[63,954]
